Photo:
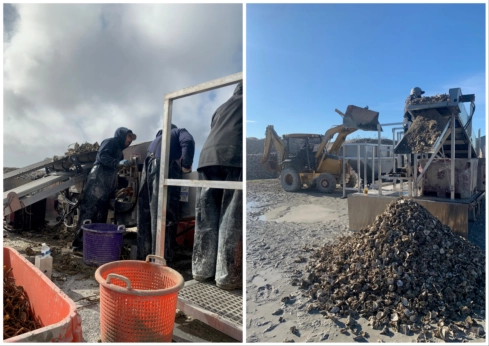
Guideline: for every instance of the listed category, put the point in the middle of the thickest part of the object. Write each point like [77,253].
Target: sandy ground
[83,289]
[282,230]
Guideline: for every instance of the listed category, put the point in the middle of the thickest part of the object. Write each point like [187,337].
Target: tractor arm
[340,139]
[342,132]
[271,137]
[327,137]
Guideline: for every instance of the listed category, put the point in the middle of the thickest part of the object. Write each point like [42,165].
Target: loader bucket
[361,118]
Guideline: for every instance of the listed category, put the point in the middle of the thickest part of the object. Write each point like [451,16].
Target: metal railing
[376,157]
[413,178]
[165,154]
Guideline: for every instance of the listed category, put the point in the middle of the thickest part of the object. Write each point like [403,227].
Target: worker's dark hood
[161,131]
[239,89]
[121,134]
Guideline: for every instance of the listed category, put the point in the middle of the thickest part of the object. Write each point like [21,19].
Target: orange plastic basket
[138,301]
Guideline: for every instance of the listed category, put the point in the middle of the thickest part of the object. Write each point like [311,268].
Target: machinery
[56,195]
[447,162]
[316,162]
[444,165]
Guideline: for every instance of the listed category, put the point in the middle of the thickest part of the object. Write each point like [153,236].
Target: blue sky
[303,61]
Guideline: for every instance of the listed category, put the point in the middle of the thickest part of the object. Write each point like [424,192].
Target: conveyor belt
[59,165]
[28,169]
[36,185]
[463,128]
[39,189]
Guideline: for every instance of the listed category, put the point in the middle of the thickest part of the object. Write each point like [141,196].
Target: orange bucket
[138,300]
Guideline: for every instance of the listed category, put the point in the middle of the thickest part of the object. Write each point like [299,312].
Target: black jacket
[110,152]
[182,145]
[224,145]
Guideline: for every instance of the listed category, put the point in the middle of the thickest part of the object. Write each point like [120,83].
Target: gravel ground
[282,230]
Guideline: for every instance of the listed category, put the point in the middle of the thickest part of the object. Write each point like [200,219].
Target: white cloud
[75,73]
[251,121]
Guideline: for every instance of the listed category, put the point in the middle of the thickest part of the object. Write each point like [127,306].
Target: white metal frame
[165,154]
[369,157]
[380,148]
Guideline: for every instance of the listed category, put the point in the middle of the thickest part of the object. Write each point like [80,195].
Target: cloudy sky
[75,73]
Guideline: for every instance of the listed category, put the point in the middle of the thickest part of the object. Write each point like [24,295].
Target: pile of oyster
[78,149]
[84,148]
[424,132]
[431,99]
[406,272]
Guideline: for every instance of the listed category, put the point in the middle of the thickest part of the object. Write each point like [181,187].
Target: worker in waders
[218,240]
[182,148]
[102,181]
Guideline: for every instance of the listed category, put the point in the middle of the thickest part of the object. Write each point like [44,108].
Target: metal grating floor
[227,304]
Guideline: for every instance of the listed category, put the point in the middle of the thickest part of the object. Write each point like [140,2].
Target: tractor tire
[290,180]
[326,183]
[353,179]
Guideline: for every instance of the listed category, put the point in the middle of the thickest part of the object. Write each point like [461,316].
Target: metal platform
[453,213]
[220,309]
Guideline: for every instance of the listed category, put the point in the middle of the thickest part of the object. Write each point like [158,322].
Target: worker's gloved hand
[127,191]
[186,170]
[124,163]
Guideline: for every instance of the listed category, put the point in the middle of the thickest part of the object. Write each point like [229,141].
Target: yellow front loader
[316,163]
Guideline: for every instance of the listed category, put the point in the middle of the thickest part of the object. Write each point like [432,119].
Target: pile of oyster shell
[424,132]
[431,99]
[78,149]
[406,272]
[84,148]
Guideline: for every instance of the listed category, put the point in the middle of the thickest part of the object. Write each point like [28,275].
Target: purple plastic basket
[102,242]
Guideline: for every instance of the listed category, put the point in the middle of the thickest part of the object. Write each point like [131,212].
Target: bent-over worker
[102,181]
[182,147]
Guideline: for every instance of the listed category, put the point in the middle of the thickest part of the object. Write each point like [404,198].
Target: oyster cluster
[84,148]
[78,149]
[405,272]
[431,99]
